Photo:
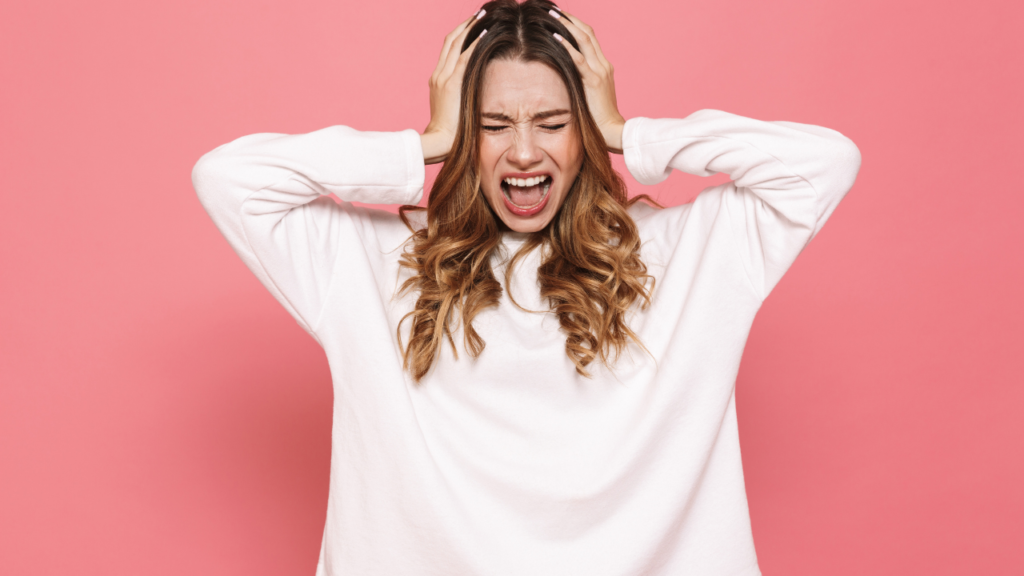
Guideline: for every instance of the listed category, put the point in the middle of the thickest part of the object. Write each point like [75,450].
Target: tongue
[526,196]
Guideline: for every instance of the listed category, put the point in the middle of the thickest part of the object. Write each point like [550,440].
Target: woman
[535,376]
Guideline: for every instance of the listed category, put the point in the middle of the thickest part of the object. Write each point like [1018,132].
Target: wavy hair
[591,273]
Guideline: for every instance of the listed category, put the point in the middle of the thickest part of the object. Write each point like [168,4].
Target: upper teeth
[525,181]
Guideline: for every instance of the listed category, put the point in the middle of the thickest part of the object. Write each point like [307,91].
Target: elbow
[847,153]
[210,175]
[838,171]
[227,169]
[201,175]
[848,159]
[842,164]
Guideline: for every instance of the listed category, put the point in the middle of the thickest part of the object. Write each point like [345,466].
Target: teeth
[547,186]
[523,182]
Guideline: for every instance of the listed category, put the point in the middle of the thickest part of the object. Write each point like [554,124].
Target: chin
[526,225]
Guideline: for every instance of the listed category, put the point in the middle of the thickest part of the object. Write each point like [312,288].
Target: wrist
[436,146]
[613,135]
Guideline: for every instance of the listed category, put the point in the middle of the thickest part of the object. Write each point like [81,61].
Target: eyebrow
[537,116]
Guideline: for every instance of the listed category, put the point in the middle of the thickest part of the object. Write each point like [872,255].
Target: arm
[265,194]
[787,178]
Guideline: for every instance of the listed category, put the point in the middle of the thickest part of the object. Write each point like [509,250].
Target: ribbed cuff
[415,170]
[631,149]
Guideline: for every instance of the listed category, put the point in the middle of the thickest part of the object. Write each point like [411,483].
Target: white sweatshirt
[512,463]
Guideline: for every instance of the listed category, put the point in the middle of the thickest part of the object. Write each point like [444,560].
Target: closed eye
[546,127]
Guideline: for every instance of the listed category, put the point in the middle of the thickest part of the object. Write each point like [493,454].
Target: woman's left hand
[598,82]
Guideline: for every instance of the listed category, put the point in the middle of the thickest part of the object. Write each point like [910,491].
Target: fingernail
[481,13]
[558,37]
[482,33]
[557,8]
[554,13]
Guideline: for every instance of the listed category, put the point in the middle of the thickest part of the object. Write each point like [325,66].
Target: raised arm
[787,178]
[265,193]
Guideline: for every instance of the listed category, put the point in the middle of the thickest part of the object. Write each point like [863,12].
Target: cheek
[565,150]
[491,149]
[488,157]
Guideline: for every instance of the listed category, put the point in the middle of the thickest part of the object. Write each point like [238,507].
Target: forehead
[519,89]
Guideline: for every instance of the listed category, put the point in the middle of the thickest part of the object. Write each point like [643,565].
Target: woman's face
[529,152]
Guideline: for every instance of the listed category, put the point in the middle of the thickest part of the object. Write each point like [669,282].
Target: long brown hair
[591,273]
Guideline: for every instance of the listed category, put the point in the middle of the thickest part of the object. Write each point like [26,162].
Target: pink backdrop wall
[160,413]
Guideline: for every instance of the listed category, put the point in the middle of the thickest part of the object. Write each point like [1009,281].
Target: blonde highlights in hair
[591,272]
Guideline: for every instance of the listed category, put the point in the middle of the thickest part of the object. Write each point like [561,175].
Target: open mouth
[526,196]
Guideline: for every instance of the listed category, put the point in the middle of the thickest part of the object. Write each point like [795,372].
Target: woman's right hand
[445,93]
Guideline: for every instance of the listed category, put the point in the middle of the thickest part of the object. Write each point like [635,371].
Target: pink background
[161,414]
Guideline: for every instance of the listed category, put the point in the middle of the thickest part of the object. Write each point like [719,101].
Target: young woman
[535,375]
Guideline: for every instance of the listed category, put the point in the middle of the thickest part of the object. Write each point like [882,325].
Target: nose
[524,152]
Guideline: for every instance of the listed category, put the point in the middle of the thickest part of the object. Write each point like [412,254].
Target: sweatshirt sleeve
[266,195]
[787,178]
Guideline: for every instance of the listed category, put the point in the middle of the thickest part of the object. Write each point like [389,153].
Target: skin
[527,129]
[523,139]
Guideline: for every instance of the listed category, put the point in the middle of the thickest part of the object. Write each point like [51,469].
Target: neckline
[513,237]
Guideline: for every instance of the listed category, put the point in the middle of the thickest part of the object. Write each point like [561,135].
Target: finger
[443,56]
[463,60]
[455,52]
[586,38]
[449,40]
[579,59]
